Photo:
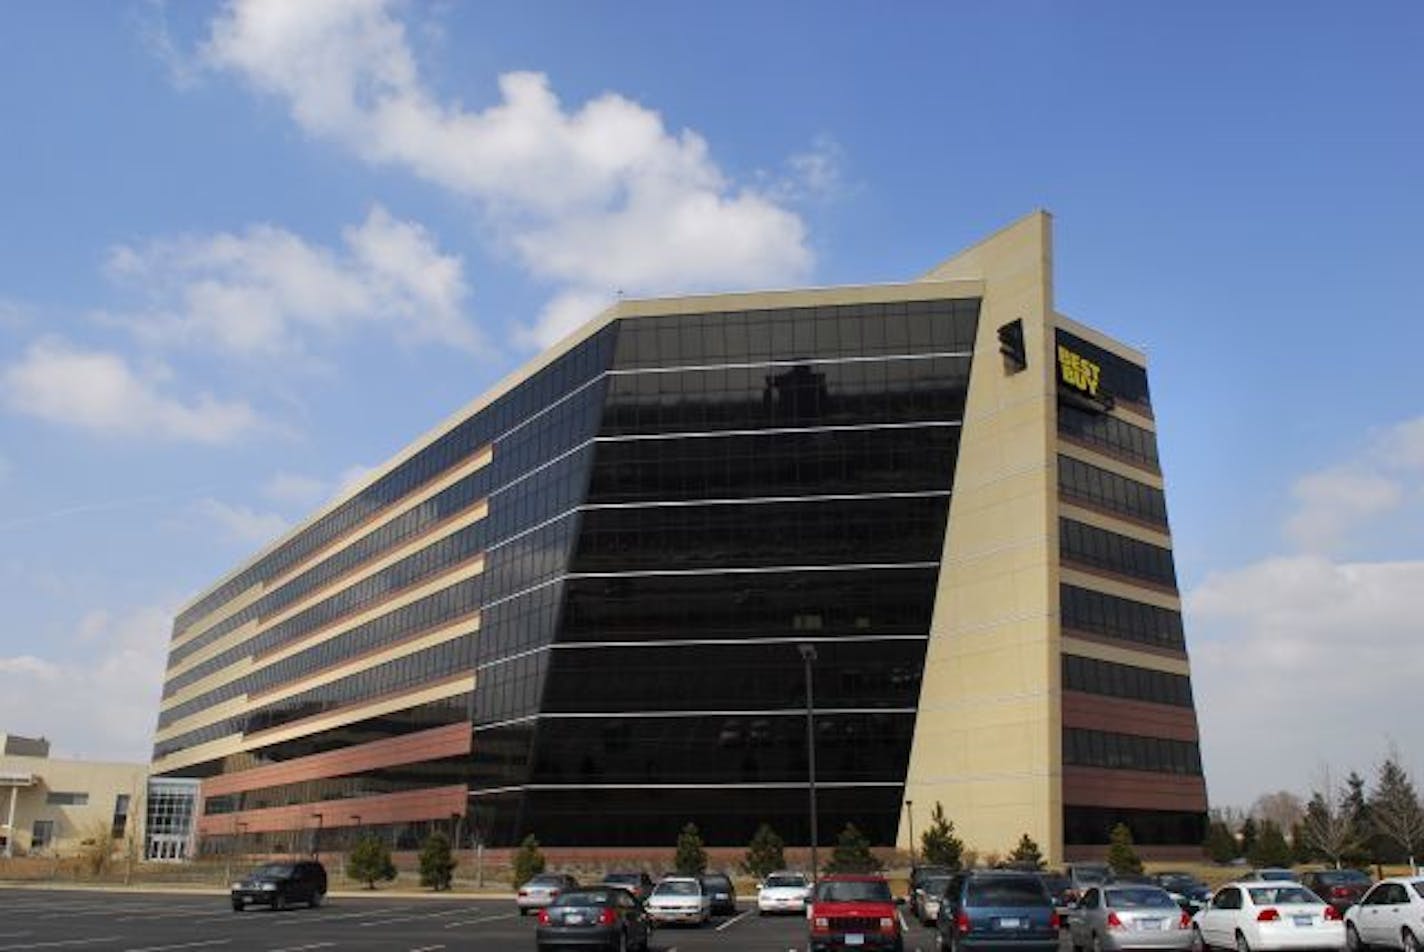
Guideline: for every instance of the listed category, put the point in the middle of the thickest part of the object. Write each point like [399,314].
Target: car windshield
[1281,875]
[1056,883]
[676,889]
[622,878]
[592,897]
[274,871]
[1145,898]
[934,886]
[853,891]
[1335,877]
[1090,875]
[1008,891]
[786,882]
[717,882]
[1178,881]
[1283,896]
[1419,888]
[547,881]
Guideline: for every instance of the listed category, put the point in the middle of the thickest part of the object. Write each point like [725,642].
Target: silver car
[542,890]
[1129,917]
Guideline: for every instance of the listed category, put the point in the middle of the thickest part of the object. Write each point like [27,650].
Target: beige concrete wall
[987,738]
[102,782]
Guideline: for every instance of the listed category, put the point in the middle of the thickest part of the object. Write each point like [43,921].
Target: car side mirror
[899,900]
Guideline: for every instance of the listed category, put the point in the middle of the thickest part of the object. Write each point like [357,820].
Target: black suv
[280,884]
[724,894]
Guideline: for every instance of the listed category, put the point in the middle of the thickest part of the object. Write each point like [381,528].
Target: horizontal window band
[779,431]
[750,365]
[774,712]
[780,640]
[785,785]
[765,500]
[758,570]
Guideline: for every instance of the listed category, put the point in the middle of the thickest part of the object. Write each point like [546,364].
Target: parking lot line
[412,918]
[733,921]
[428,948]
[326,917]
[303,948]
[471,922]
[181,945]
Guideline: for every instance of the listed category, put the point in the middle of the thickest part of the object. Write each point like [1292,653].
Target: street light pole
[910,809]
[808,655]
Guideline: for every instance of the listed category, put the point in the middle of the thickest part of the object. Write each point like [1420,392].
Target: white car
[783,892]
[1390,915]
[1267,916]
[679,899]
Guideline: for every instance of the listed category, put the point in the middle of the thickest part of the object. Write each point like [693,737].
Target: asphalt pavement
[40,920]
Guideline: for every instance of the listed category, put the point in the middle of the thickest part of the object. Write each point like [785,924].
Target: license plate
[1305,920]
[573,918]
[854,938]
[1150,925]
[1011,923]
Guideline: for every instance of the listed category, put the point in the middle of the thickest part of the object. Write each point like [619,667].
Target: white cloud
[1300,660]
[101,705]
[1334,504]
[599,198]
[258,293]
[240,523]
[99,391]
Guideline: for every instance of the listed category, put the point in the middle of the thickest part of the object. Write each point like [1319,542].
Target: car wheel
[1408,941]
[1199,941]
[280,903]
[1241,944]
[236,906]
[523,911]
[620,944]
[316,899]
[1097,943]
[1353,942]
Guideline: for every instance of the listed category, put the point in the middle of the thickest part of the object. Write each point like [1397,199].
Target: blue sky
[247,251]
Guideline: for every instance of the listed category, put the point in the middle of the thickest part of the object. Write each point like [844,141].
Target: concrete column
[10,824]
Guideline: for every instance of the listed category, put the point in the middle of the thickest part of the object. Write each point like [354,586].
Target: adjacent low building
[577,608]
[52,807]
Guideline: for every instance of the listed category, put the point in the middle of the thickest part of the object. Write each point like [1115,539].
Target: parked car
[280,884]
[1270,874]
[853,912]
[783,892]
[604,918]
[1391,915]
[543,889]
[1342,888]
[680,899]
[1267,915]
[925,900]
[919,874]
[997,911]
[1129,917]
[1189,892]
[639,884]
[723,894]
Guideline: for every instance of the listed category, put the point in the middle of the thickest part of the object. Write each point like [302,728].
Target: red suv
[855,912]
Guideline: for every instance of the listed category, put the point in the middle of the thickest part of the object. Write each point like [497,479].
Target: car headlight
[268,887]
[236,886]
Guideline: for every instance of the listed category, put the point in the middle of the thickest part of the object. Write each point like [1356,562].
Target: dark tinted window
[1088,748]
[1109,434]
[1007,891]
[1102,489]
[1097,613]
[1144,898]
[853,892]
[1090,547]
[1119,378]
[1090,826]
[1093,676]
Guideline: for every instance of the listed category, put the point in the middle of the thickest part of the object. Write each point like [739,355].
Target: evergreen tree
[1355,805]
[852,853]
[938,845]
[528,862]
[691,859]
[1395,812]
[1121,856]
[437,863]
[765,854]
[1249,833]
[1270,848]
[1220,844]
[1027,853]
[370,860]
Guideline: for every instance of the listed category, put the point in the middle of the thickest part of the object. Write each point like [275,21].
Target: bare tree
[1328,826]
[1282,808]
[1395,809]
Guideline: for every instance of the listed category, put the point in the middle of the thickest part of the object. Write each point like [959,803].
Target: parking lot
[34,920]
